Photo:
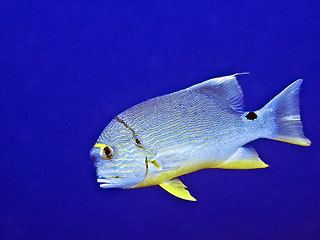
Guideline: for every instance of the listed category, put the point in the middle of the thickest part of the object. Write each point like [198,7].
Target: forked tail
[286,116]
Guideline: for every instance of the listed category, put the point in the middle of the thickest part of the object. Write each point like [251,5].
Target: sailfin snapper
[203,126]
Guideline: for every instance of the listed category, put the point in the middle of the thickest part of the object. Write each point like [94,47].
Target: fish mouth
[109,182]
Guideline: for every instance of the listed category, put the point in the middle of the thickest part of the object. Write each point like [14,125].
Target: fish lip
[108,182]
[104,185]
[107,179]
[102,180]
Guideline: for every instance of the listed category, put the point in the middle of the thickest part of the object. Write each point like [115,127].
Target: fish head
[119,160]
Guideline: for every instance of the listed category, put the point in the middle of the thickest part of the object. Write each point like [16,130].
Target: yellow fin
[178,189]
[298,141]
[155,163]
[243,158]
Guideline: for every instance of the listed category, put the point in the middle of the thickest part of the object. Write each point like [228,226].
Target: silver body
[203,126]
[184,131]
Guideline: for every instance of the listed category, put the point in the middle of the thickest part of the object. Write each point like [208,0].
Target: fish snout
[94,154]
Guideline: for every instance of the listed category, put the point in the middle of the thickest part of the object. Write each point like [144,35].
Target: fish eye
[107,152]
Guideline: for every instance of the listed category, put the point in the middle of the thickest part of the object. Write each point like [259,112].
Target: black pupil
[251,116]
[107,151]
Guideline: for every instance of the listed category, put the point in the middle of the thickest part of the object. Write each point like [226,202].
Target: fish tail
[284,109]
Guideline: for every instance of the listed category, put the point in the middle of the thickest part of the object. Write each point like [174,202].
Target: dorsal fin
[226,88]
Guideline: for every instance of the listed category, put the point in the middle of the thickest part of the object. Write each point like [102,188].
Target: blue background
[68,67]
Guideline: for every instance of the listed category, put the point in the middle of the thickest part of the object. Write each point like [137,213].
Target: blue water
[67,68]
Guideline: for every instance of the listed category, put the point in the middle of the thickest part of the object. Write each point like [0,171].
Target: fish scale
[188,123]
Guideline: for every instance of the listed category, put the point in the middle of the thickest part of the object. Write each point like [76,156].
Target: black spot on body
[251,116]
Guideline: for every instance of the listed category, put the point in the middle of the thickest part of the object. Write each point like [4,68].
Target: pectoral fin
[178,189]
[243,158]
[155,163]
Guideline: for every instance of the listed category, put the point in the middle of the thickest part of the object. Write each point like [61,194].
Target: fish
[202,126]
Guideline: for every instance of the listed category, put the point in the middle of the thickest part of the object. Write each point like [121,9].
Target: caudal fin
[285,108]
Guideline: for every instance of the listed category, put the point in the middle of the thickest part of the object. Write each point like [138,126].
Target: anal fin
[178,189]
[243,158]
